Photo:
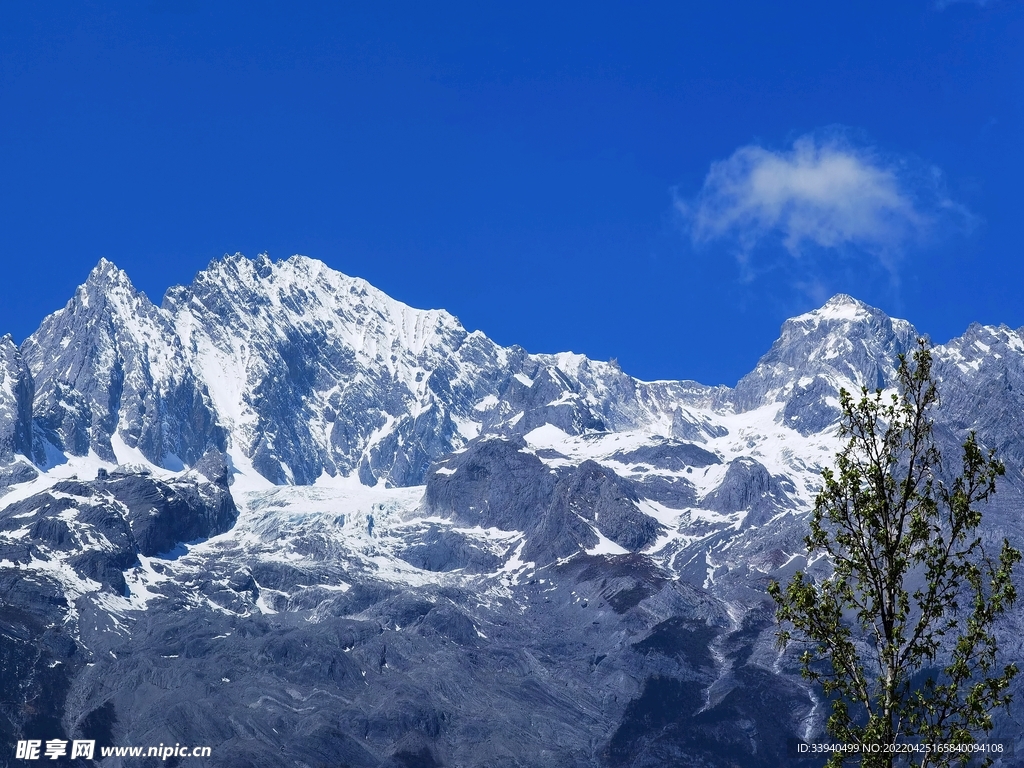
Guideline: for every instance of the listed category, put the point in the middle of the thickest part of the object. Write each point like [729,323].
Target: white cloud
[823,192]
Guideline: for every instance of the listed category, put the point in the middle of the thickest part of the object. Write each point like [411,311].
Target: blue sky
[663,183]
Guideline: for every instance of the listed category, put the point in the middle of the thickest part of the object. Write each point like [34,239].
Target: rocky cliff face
[16,395]
[287,516]
[110,372]
[982,387]
[75,560]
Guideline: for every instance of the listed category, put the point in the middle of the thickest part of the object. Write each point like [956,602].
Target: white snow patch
[605,546]
[488,402]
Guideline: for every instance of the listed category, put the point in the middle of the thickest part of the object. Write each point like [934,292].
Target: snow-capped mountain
[298,372]
[845,344]
[291,517]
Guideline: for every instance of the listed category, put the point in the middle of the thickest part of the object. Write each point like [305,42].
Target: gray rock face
[673,492]
[598,496]
[15,473]
[109,365]
[162,515]
[982,388]
[551,397]
[576,658]
[749,486]
[16,393]
[671,455]
[440,549]
[39,657]
[85,534]
[100,527]
[496,483]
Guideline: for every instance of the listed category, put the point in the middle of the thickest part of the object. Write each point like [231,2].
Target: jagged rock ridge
[299,372]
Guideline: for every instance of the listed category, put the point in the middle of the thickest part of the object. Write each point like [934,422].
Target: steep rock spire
[109,369]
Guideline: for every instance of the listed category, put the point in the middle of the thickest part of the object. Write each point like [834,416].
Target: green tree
[901,636]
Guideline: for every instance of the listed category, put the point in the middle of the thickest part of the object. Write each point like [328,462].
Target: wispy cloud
[823,195]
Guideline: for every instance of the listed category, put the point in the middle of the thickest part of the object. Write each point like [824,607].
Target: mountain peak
[106,275]
[842,300]
[841,308]
[104,269]
[845,343]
